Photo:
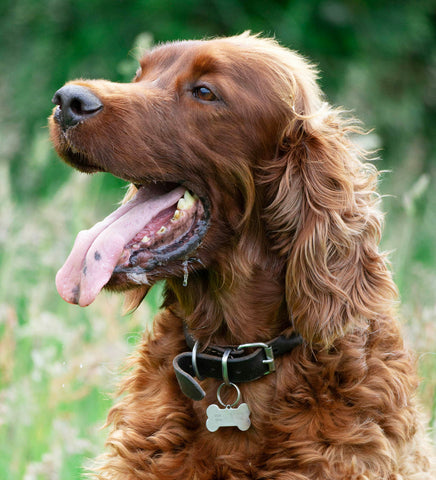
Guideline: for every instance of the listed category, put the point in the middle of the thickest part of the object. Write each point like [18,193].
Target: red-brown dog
[249,198]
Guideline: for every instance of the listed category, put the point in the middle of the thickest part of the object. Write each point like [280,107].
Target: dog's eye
[204,93]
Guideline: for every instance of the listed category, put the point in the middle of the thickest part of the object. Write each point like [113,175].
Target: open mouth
[162,224]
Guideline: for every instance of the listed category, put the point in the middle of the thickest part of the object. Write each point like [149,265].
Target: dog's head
[228,146]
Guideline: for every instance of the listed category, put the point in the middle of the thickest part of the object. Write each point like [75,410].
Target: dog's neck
[232,307]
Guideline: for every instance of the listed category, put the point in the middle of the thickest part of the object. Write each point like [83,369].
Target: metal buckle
[268,354]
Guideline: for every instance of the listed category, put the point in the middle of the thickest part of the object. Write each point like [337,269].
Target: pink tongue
[96,251]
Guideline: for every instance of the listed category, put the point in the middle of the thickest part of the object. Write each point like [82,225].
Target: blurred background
[59,363]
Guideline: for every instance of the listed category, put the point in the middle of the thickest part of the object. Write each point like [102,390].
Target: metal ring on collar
[194,360]
[238,396]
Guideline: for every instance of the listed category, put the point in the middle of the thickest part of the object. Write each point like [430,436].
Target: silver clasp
[194,360]
[225,370]
[268,354]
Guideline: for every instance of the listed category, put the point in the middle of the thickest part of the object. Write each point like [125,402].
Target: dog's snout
[75,104]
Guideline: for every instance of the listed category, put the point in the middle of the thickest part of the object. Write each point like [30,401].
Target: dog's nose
[75,104]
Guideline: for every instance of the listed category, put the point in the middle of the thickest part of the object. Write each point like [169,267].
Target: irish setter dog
[251,200]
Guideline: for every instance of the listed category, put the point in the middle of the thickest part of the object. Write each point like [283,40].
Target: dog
[277,354]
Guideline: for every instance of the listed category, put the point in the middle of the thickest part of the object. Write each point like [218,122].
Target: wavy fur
[292,246]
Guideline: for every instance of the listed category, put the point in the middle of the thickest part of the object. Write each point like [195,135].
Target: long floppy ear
[324,219]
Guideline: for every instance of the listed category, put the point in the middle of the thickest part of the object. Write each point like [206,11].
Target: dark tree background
[376,57]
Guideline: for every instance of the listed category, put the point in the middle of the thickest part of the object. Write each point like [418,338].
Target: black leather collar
[229,363]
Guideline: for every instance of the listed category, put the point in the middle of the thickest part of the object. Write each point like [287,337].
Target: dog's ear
[323,217]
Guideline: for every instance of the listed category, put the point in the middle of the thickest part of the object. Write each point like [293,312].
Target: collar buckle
[269,354]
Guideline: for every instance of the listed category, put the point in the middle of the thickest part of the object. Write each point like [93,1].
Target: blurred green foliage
[57,362]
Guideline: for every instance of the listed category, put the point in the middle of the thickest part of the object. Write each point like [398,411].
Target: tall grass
[59,363]
[410,235]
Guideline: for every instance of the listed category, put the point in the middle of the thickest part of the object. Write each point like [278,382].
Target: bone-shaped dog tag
[228,417]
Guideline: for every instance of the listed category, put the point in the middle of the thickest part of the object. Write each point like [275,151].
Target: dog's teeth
[188,197]
[178,214]
[186,201]
[146,239]
[162,230]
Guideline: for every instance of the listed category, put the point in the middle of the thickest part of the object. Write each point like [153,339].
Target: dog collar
[229,363]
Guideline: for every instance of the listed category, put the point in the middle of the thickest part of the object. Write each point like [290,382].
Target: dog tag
[228,417]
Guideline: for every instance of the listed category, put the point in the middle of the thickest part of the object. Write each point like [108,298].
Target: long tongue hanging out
[96,251]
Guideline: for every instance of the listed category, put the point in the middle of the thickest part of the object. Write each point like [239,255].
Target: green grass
[59,363]
[410,234]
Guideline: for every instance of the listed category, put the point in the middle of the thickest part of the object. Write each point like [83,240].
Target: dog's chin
[80,162]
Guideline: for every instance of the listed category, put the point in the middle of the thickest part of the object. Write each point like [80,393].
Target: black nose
[75,104]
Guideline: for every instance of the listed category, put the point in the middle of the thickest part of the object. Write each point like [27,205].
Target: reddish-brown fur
[292,246]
